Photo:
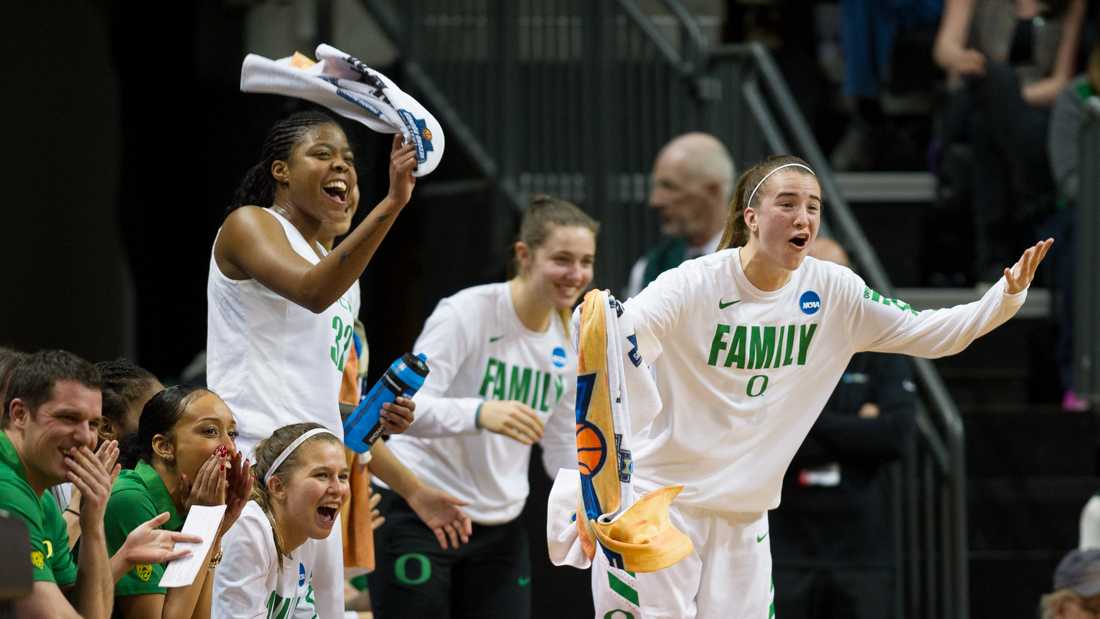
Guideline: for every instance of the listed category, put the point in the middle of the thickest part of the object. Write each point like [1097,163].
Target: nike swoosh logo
[523,582]
[723,305]
[760,538]
[493,339]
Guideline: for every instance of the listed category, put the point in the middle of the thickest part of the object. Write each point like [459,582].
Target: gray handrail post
[1086,282]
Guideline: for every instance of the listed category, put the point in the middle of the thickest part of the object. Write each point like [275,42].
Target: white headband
[785,165]
[290,449]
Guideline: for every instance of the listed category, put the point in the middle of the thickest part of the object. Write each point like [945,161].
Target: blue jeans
[867,33]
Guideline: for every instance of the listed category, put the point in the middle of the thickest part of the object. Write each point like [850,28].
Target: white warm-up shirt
[249,582]
[744,373]
[273,361]
[479,350]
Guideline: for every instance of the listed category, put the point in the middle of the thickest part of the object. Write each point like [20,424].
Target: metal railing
[1086,284]
[576,97]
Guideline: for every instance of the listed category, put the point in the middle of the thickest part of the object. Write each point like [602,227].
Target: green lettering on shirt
[543,406]
[487,380]
[520,383]
[737,348]
[761,347]
[718,344]
[875,297]
[527,385]
[805,336]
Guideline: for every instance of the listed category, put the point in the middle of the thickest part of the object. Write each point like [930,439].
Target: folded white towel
[347,86]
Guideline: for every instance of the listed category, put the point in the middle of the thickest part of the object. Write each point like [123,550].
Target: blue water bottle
[404,378]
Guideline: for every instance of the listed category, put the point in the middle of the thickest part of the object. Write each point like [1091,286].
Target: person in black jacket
[832,536]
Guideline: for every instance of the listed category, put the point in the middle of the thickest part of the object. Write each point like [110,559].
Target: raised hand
[402,164]
[148,544]
[1019,277]
[210,482]
[513,419]
[397,416]
[89,475]
[108,455]
[440,511]
[238,490]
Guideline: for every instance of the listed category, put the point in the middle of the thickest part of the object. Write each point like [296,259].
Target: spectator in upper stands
[869,29]
[1066,123]
[53,397]
[831,534]
[1013,58]
[1076,592]
[692,185]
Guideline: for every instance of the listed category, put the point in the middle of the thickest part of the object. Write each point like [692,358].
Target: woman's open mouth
[800,241]
[337,190]
[326,515]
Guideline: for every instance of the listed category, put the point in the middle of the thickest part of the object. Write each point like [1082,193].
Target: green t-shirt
[137,496]
[49,536]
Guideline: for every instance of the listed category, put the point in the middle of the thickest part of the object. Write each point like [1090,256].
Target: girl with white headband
[747,345]
[269,556]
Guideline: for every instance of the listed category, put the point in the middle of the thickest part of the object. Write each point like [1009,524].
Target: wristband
[72,511]
[477,416]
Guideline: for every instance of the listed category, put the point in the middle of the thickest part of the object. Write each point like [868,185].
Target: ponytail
[256,188]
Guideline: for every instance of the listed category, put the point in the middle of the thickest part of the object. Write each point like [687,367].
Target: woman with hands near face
[183,454]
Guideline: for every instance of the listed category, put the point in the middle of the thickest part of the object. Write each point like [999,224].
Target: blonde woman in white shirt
[747,344]
[271,553]
[502,378]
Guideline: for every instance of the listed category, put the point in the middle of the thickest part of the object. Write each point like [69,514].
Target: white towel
[347,86]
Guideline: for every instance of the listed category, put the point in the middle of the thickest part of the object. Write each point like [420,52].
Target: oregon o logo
[591,448]
[617,613]
[809,302]
[144,571]
[759,383]
[401,571]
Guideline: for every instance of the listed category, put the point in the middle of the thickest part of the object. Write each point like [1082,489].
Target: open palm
[1019,277]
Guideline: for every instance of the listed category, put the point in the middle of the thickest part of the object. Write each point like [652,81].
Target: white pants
[727,576]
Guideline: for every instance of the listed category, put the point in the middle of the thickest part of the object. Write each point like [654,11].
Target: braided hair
[258,186]
[123,383]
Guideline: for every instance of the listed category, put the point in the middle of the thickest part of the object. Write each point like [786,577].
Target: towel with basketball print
[615,396]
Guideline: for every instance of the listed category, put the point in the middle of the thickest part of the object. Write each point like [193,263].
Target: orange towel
[355,515]
[635,534]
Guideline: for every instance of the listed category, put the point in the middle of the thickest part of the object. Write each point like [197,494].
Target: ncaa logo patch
[809,302]
[558,357]
[301,575]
